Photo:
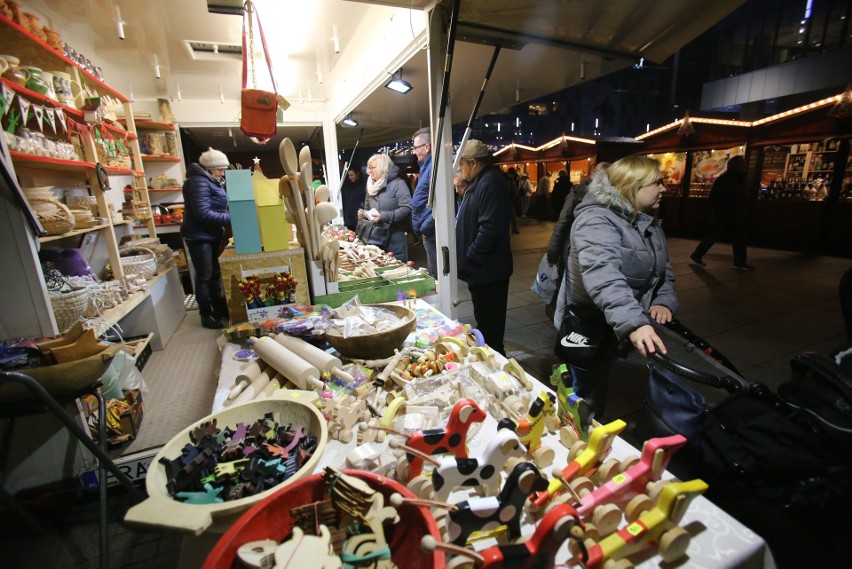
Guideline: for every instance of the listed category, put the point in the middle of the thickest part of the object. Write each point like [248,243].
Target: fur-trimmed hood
[602,192]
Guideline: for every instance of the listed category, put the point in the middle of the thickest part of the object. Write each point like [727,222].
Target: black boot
[220,310]
[207,318]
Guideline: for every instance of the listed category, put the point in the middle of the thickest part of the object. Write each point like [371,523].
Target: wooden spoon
[321,194]
[323,213]
[289,158]
[305,156]
[307,187]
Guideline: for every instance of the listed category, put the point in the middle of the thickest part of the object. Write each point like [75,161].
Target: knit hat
[474,149]
[213,159]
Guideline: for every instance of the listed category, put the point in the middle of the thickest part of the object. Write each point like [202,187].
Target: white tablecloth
[718,540]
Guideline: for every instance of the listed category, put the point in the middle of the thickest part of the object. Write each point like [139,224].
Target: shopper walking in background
[542,194]
[352,192]
[483,253]
[561,188]
[619,264]
[387,206]
[727,197]
[422,222]
[203,229]
[513,191]
[525,191]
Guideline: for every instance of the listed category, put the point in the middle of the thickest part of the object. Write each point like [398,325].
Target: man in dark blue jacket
[421,214]
[203,227]
[482,241]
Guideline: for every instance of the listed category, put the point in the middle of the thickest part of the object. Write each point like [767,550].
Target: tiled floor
[759,319]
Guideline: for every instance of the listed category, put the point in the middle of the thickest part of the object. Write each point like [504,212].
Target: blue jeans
[431,255]
[208,276]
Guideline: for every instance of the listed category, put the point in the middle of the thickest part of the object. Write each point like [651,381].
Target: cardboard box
[131,419]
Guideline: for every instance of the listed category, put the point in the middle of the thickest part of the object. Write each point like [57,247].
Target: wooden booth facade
[799,181]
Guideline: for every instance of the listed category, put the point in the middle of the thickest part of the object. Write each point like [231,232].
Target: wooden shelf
[159,158]
[19,36]
[151,125]
[116,313]
[46,163]
[72,233]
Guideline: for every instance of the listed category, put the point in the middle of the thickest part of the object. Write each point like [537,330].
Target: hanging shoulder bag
[259,108]
[583,335]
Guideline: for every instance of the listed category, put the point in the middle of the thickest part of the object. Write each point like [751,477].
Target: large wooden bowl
[162,511]
[379,345]
[271,519]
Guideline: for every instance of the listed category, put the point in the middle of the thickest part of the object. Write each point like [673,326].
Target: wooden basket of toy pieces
[284,514]
[375,345]
[214,470]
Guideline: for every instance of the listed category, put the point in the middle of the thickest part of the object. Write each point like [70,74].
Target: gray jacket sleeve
[598,245]
[402,211]
[559,239]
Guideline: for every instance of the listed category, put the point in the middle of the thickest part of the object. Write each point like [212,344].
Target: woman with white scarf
[388,205]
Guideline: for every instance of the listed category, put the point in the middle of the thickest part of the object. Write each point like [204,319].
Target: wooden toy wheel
[552,424]
[514,403]
[673,544]
[420,486]
[618,564]
[654,488]
[582,485]
[543,457]
[592,534]
[567,436]
[459,562]
[345,435]
[629,461]
[606,518]
[606,471]
[511,463]
[576,449]
[638,504]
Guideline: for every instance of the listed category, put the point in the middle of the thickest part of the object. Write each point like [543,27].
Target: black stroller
[780,462]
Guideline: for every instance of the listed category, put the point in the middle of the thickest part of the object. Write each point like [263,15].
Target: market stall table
[718,540]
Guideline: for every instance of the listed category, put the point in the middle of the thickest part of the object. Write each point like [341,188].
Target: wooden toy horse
[451,439]
[483,471]
[532,427]
[485,514]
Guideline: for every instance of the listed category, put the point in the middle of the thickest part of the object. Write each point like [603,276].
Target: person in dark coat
[561,188]
[422,222]
[352,192]
[726,197]
[483,252]
[203,228]
[388,204]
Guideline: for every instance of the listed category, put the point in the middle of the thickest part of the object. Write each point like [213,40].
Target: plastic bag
[546,280]
[122,375]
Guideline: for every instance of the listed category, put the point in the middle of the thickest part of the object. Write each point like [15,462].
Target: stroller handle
[726,382]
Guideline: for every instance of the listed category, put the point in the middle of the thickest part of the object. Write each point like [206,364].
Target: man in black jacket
[726,197]
[483,252]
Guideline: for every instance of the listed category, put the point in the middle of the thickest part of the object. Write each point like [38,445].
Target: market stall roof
[194,48]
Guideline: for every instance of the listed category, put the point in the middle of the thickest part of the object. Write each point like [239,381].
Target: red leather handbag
[259,108]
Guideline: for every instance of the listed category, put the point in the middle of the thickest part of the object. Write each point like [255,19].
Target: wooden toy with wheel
[531,429]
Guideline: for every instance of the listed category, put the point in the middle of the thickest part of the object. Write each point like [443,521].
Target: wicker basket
[144,264]
[54,216]
[68,307]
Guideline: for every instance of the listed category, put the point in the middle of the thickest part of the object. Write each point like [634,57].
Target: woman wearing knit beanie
[203,229]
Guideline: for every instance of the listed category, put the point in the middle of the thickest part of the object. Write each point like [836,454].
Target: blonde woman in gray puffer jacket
[619,264]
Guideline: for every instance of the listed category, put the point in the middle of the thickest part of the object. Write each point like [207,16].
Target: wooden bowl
[379,345]
[270,519]
[162,511]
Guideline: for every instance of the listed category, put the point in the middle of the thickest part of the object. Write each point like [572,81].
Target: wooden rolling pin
[271,387]
[247,374]
[253,390]
[323,361]
[301,373]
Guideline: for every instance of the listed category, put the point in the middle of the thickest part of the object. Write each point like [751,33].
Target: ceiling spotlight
[398,84]
[335,39]
[349,121]
[120,23]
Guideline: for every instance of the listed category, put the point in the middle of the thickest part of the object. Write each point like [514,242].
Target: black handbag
[373,233]
[583,336]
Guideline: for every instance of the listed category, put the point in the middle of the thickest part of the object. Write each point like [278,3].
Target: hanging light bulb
[156,66]
[221,94]
[517,89]
[179,95]
[130,92]
[319,73]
